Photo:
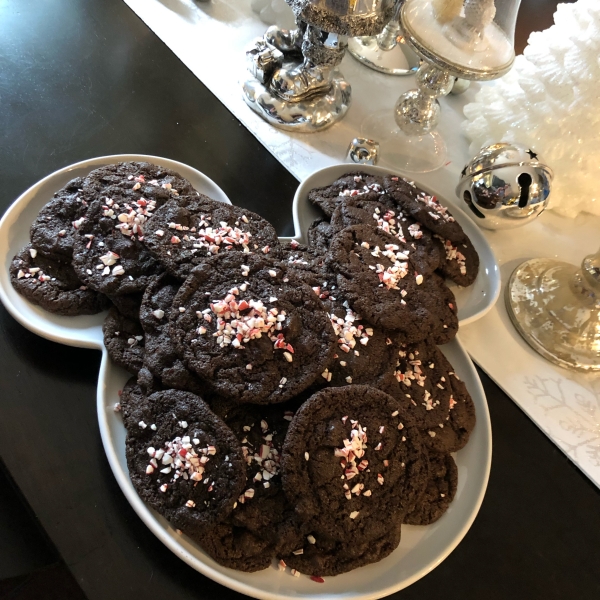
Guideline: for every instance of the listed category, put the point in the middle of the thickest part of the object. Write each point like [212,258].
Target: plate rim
[475,232]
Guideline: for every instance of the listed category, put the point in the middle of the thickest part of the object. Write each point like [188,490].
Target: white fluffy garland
[550,100]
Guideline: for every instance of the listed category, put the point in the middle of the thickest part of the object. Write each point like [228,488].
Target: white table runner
[207,36]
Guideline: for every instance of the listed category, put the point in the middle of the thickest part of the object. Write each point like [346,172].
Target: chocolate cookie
[423,380]
[128,182]
[441,489]
[251,330]
[53,285]
[460,261]
[364,352]
[128,305]
[263,508]
[462,412]
[350,486]
[109,255]
[410,235]
[351,185]
[380,281]
[236,548]
[53,229]
[321,556]
[161,356]
[124,341]
[438,401]
[183,235]
[319,235]
[183,460]
[423,207]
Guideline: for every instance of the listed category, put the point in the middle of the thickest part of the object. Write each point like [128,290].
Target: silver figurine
[308,93]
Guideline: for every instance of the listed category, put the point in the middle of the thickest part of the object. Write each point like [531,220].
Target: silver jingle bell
[363,151]
[505,186]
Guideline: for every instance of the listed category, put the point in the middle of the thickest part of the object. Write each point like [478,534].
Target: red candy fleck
[317,579]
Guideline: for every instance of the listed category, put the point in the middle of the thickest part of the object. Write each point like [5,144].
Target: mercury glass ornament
[472,39]
[505,186]
[555,306]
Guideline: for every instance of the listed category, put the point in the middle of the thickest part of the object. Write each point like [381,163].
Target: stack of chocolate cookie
[286,402]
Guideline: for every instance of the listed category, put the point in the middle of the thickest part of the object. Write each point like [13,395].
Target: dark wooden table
[87,78]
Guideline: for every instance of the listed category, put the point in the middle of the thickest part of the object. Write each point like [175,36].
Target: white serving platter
[421,548]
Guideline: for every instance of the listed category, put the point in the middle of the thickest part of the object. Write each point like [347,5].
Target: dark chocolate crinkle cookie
[417,240]
[380,281]
[53,285]
[109,255]
[129,182]
[322,556]
[124,341]
[437,399]
[441,489]
[364,352]
[423,380]
[460,261]
[445,321]
[236,547]
[462,417]
[128,305]
[250,329]
[161,356]
[185,234]
[351,185]
[183,460]
[423,207]
[53,229]
[131,395]
[319,236]
[352,463]
[263,508]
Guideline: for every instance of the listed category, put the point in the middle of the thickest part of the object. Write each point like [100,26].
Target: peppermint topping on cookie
[239,321]
[212,238]
[453,253]
[348,333]
[373,187]
[266,458]
[389,224]
[180,459]
[131,215]
[437,210]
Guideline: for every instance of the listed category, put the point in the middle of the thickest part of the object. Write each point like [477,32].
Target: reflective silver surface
[363,151]
[263,60]
[306,116]
[418,111]
[347,17]
[505,185]
[556,308]
[387,52]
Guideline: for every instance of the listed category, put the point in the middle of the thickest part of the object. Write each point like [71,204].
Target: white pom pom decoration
[550,102]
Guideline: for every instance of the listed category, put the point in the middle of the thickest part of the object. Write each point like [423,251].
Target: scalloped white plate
[421,548]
